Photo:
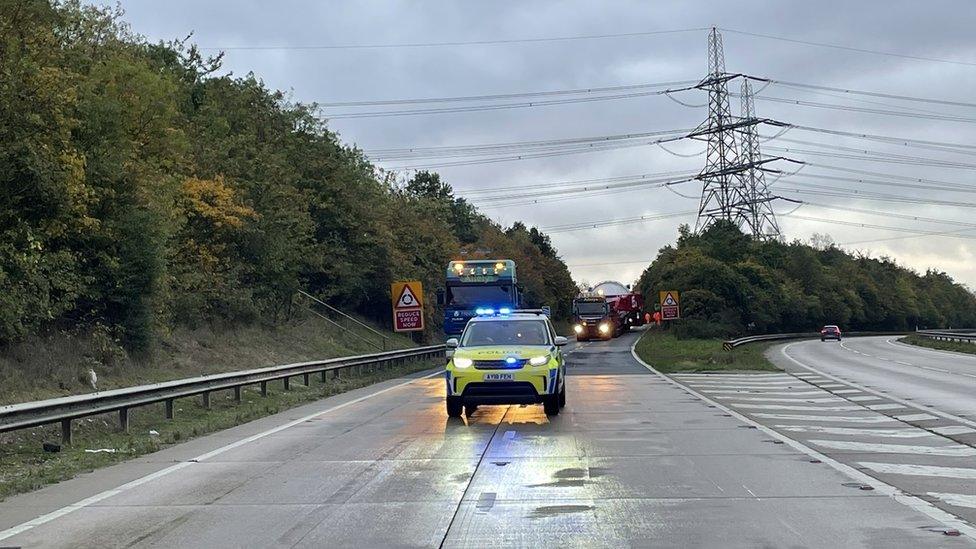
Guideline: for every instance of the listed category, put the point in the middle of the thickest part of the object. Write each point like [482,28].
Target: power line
[885,112]
[527,156]
[502,96]
[866,93]
[496,107]
[460,42]
[849,48]
[612,222]
[923,160]
[505,197]
[466,193]
[471,150]
[961,148]
[648,261]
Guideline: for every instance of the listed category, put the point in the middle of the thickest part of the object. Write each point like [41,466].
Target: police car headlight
[578,329]
[539,360]
[461,362]
[604,328]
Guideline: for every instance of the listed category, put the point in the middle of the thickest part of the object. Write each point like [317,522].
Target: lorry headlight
[604,328]
[539,360]
[578,329]
[461,362]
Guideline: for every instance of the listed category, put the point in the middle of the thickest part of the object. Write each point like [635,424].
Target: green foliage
[140,190]
[733,285]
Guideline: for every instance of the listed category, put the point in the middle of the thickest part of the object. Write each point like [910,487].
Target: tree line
[731,284]
[142,190]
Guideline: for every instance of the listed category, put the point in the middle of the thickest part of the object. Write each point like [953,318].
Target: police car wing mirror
[441,297]
[452,343]
[560,341]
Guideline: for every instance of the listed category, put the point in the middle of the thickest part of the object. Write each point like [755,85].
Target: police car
[506,357]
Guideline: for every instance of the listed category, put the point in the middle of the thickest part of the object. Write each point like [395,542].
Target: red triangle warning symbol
[407,299]
[669,300]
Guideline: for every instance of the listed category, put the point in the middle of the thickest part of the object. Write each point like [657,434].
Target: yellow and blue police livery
[506,357]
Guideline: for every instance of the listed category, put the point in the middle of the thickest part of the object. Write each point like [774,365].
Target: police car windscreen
[506,332]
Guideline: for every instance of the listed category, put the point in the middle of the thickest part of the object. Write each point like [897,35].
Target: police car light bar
[506,311]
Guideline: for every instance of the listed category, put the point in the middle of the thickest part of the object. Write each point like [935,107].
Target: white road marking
[735,376]
[795,400]
[903,363]
[757,382]
[884,406]
[953,430]
[913,502]
[101,496]
[878,418]
[833,386]
[920,470]
[846,391]
[915,417]
[945,415]
[799,408]
[955,450]
[891,433]
[866,398]
[755,387]
[940,370]
[756,392]
[959,500]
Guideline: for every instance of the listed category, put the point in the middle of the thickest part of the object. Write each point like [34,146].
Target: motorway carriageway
[635,459]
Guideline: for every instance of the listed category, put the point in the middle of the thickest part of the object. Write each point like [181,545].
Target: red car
[829,332]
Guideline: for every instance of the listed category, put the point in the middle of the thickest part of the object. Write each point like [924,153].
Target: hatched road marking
[956,450]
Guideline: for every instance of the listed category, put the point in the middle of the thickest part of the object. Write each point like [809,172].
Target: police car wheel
[470,409]
[550,403]
[454,406]
[562,396]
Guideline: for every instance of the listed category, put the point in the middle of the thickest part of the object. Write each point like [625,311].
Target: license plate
[500,377]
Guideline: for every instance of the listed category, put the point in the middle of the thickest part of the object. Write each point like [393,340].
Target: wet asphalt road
[633,460]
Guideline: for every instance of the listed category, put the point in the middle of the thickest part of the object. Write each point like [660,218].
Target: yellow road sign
[670,305]
[408,306]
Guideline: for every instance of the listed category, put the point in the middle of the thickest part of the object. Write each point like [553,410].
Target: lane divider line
[48,517]
[913,502]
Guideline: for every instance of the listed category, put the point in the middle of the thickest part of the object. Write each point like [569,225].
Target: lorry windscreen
[591,308]
[479,295]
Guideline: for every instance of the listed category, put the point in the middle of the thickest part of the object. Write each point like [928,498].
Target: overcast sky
[936,29]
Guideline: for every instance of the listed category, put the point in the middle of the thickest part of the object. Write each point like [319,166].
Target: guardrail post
[237,393]
[325,376]
[264,388]
[124,420]
[169,408]
[206,400]
[305,379]
[336,375]
[286,382]
[66,432]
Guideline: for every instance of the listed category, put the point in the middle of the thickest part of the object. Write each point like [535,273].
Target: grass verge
[957,346]
[24,466]
[54,366]
[668,354]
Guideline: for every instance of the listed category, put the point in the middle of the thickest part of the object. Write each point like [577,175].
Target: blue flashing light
[481,311]
[504,311]
[511,360]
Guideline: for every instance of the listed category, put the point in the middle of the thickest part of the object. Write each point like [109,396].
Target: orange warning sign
[408,306]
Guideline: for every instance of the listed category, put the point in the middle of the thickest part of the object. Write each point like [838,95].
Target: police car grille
[498,364]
